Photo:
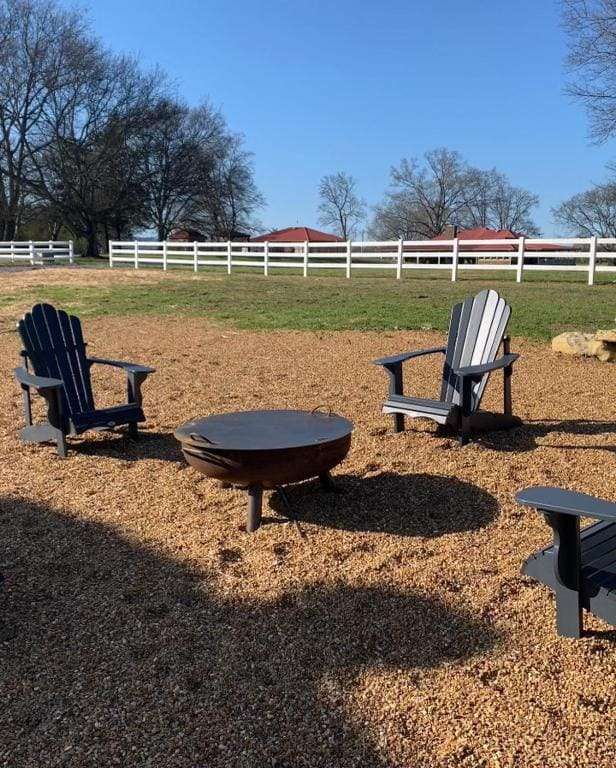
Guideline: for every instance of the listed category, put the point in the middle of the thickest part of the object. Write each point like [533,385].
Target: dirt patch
[387,626]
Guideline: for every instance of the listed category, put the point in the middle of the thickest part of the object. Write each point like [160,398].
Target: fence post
[12,251]
[349,249]
[136,248]
[71,252]
[306,258]
[31,250]
[195,256]
[592,260]
[164,255]
[454,260]
[400,258]
[110,249]
[228,257]
[520,265]
[265,258]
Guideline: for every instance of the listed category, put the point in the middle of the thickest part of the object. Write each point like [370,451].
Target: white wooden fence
[37,251]
[588,255]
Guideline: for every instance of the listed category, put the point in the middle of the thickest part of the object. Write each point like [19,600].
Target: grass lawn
[542,307]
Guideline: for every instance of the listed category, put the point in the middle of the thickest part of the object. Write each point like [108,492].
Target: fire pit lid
[264,430]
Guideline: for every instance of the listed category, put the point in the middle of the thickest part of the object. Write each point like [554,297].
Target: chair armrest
[28,379]
[480,370]
[547,499]
[128,367]
[395,359]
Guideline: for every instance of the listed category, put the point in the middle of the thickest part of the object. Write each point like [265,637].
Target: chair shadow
[406,505]
[114,648]
[526,437]
[119,445]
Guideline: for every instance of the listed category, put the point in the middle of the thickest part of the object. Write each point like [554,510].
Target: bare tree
[495,203]
[39,48]
[591,29]
[424,197]
[340,208]
[230,196]
[395,219]
[589,213]
[182,148]
[90,168]
[92,144]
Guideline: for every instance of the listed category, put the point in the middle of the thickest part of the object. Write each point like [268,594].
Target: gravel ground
[388,626]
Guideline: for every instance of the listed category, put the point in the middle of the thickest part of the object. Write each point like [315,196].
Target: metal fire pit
[266,449]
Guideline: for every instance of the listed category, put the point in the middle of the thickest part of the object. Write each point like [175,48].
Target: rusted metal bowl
[266,448]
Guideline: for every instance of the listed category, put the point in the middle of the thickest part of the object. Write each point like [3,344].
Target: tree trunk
[92,239]
[9,229]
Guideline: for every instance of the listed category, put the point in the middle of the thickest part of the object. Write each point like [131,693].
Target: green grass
[541,308]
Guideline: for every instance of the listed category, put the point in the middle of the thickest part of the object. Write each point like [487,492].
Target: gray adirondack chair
[476,332]
[57,368]
[580,566]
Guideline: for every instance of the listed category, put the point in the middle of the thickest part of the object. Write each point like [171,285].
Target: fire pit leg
[255,498]
[327,482]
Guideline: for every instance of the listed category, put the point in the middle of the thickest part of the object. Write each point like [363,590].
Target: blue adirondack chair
[57,368]
[476,332]
[580,566]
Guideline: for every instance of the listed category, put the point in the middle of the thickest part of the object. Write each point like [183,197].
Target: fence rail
[37,251]
[588,255]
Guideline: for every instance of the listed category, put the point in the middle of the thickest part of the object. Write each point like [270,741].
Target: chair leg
[27,405]
[465,421]
[133,430]
[61,444]
[567,570]
[464,434]
[396,387]
[56,422]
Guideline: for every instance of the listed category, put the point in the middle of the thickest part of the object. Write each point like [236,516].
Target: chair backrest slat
[460,316]
[77,336]
[53,342]
[476,331]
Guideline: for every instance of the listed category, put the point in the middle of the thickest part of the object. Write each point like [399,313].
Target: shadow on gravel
[526,437]
[406,505]
[118,445]
[113,653]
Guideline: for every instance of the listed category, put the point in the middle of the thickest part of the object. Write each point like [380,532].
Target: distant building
[182,235]
[484,233]
[297,235]
[188,235]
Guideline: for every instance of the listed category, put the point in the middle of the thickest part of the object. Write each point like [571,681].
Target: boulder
[601,345]
[609,336]
[573,343]
[604,346]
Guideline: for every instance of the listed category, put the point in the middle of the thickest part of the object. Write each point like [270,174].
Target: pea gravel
[386,626]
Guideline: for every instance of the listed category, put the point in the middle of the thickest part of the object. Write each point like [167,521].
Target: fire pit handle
[317,408]
[196,438]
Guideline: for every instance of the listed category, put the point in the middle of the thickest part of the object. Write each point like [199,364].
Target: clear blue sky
[356,85]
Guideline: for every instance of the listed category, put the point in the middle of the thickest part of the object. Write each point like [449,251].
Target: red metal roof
[297,235]
[480,233]
[483,233]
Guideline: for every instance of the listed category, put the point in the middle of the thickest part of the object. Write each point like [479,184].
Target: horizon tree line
[92,145]
[425,196]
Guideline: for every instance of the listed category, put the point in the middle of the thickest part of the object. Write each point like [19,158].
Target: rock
[601,345]
[605,351]
[606,336]
[573,343]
